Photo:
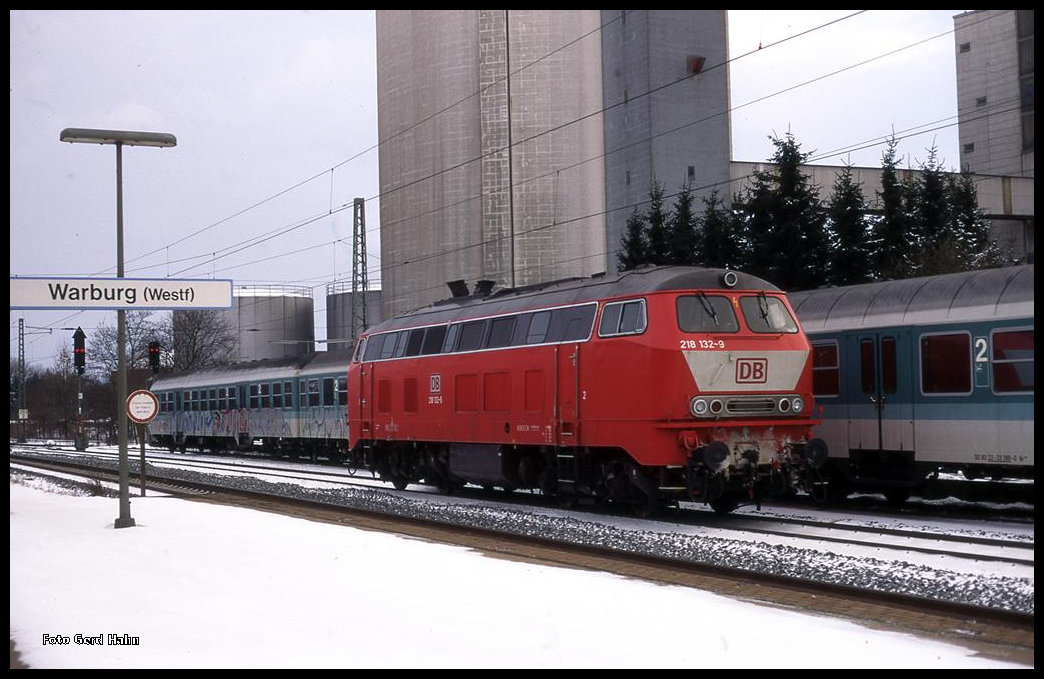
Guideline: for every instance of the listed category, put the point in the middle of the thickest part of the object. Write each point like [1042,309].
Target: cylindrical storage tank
[272,321]
[339,312]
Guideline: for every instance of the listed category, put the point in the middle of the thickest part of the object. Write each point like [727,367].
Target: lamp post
[120,138]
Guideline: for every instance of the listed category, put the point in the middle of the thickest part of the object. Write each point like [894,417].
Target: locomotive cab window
[623,318]
[767,314]
[705,313]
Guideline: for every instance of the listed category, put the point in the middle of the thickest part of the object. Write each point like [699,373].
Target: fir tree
[785,222]
[682,235]
[892,254]
[722,245]
[634,250]
[657,232]
[975,247]
[850,238]
[933,225]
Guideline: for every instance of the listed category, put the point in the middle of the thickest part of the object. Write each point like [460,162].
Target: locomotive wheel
[646,508]
[566,500]
[724,503]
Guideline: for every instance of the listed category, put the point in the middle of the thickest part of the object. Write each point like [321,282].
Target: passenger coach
[922,376]
[645,388]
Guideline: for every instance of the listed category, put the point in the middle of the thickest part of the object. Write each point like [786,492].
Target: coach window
[233,398]
[622,318]
[767,314]
[433,339]
[342,392]
[1012,361]
[328,391]
[313,392]
[266,398]
[500,331]
[471,334]
[826,372]
[222,398]
[195,400]
[705,313]
[946,364]
[288,394]
[277,394]
[302,395]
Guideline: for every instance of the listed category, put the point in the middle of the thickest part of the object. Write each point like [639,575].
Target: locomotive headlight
[784,405]
[716,406]
[799,404]
[698,407]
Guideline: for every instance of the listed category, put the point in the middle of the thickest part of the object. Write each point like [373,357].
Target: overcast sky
[276,125]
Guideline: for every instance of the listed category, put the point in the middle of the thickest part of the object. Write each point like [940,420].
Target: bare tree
[142,328]
[199,339]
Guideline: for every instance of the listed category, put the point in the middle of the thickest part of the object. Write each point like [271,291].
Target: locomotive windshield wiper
[707,306]
[763,306]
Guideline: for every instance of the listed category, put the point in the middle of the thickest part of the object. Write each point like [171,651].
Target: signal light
[79,351]
[154,356]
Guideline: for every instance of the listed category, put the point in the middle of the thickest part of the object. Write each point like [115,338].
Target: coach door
[567,396]
[882,409]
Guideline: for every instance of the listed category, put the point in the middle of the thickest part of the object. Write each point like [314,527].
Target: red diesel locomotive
[645,388]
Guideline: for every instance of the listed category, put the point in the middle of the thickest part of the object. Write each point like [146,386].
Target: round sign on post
[142,406]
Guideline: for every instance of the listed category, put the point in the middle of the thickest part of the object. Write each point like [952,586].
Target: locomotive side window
[767,314]
[571,324]
[826,371]
[500,332]
[400,344]
[433,339]
[372,350]
[360,349]
[414,342]
[946,364]
[1012,361]
[538,323]
[705,313]
[623,318]
[451,338]
[471,336]
[388,346]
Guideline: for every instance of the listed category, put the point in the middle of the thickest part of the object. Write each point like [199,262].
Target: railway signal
[79,351]
[154,357]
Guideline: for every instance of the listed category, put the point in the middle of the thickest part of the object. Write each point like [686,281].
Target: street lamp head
[78,135]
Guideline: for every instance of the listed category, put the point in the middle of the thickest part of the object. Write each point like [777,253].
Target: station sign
[120,294]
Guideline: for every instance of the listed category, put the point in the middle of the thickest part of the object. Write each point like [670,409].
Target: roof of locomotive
[573,291]
[986,294]
[314,362]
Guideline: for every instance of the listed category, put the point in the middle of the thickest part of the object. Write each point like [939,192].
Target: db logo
[751,370]
[436,384]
